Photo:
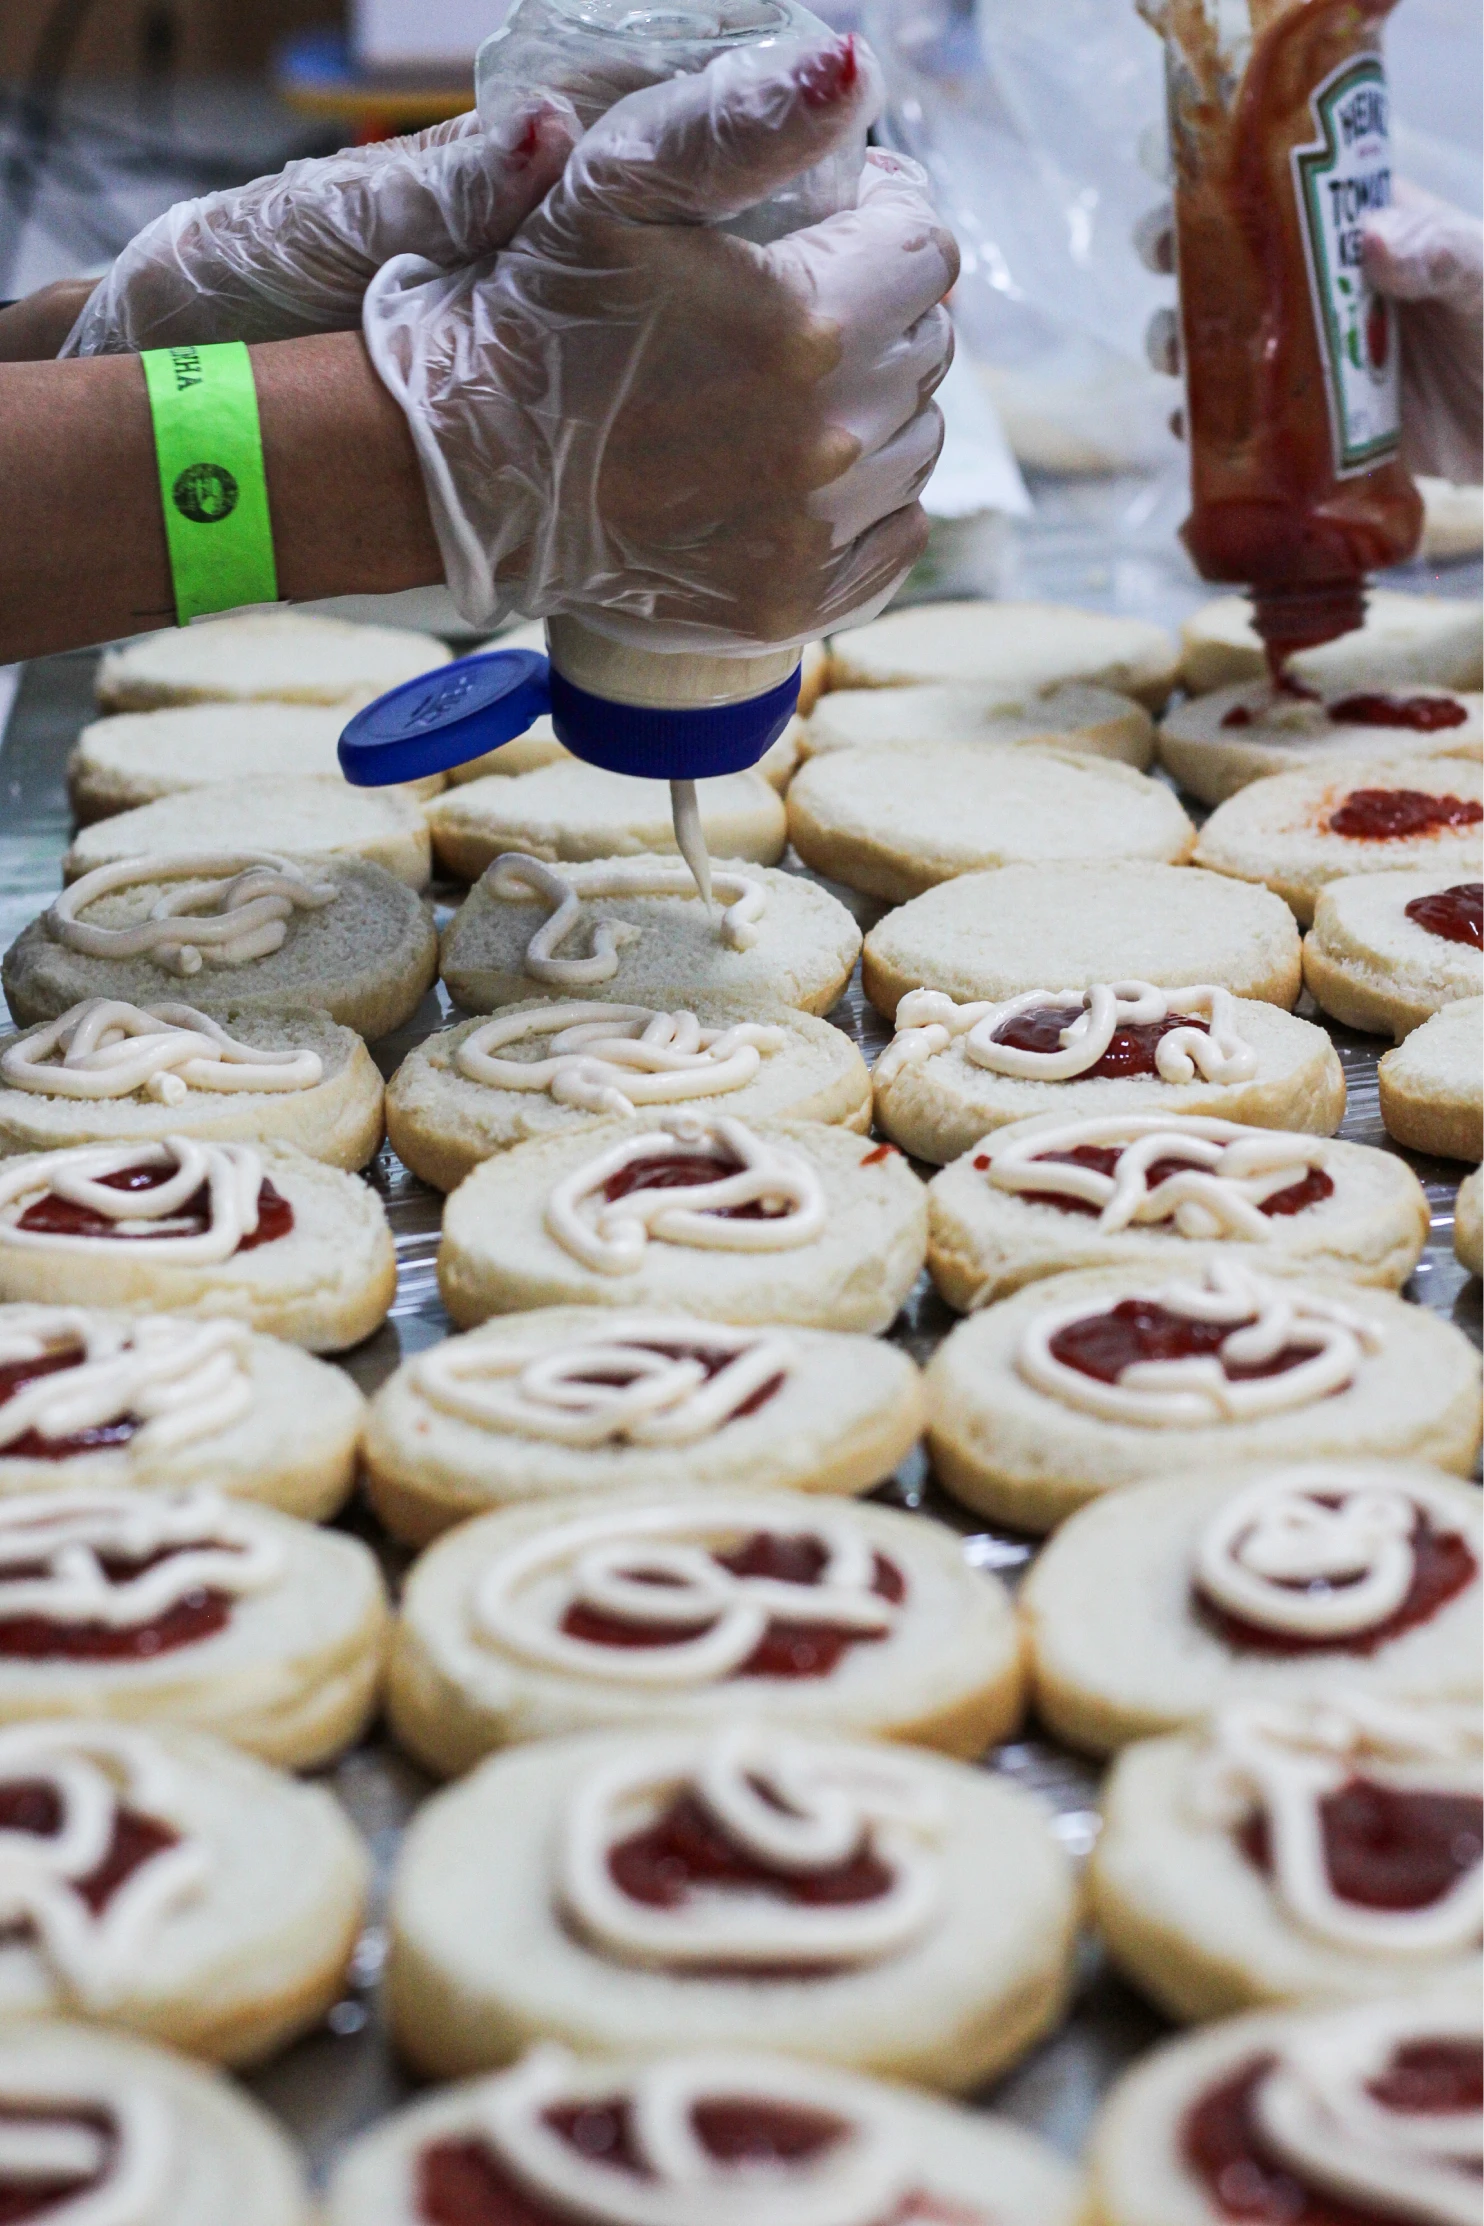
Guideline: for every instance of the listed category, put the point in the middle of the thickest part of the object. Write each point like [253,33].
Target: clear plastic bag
[1042,131]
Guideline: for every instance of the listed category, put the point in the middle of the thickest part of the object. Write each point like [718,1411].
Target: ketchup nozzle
[1291,619]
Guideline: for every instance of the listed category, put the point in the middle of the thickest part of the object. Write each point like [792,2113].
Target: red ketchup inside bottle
[786,1649]
[63,1217]
[1131,1049]
[1291,359]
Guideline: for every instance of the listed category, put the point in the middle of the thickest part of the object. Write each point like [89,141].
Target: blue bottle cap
[446,717]
[696,744]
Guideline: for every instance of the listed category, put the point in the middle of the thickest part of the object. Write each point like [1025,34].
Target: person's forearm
[32,331]
[82,558]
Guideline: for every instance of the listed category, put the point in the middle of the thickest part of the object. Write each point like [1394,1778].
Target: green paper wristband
[213,486]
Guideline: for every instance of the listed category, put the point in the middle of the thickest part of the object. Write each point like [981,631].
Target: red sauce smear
[1442,1565]
[734,2132]
[1385,1848]
[33,1805]
[686,1847]
[464,2183]
[1240,715]
[1392,814]
[1220,2143]
[1103,1345]
[62,1217]
[1427,2078]
[786,1649]
[23,2200]
[712,1361]
[1309,1190]
[1423,714]
[1221,2140]
[882,1151]
[198,1615]
[31,1445]
[1456,914]
[1130,1050]
[678,1171]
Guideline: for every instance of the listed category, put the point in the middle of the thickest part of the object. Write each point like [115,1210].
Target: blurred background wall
[112,109]
[143,38]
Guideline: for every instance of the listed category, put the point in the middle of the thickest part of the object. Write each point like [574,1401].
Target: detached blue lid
[446,717]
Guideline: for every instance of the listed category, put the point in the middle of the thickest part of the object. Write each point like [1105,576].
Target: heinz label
[1342,177]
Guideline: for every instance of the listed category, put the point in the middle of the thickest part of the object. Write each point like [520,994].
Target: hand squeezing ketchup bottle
[1279,131]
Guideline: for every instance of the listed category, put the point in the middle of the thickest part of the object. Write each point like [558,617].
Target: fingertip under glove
[1421,249]
[293,253]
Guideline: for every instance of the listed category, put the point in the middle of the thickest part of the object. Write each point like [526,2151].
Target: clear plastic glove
[293,253]
[1428,258]
[697,442]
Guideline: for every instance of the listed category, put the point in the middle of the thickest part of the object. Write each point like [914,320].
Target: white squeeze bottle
[668,714]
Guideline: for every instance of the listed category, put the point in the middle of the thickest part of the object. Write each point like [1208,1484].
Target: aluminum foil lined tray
[340,2079]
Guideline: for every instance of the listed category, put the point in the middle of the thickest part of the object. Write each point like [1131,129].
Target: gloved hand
[718,443]
[293,253]
[1428,259]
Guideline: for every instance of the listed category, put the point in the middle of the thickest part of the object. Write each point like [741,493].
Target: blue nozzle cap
[446,717]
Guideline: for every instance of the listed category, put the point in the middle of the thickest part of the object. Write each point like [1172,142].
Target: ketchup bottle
[1279,131]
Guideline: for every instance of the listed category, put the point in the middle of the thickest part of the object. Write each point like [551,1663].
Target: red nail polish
[826,78]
